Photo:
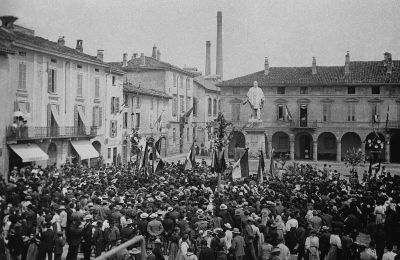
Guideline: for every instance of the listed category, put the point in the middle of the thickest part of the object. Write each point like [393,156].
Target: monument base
[255,140]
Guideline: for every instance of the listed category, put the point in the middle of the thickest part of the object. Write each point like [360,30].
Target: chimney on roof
[314,66]
[100,54]
[134,56]
[158,55]
[61,41]
[266,66]
[387,62]
[142,59]
[219,67]
[154,54]
[347,63]
[79,45]
[208,58]
[8,21]
[124,59]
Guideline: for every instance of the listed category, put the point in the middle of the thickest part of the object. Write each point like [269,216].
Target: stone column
[268,148]
[291,149]
[338,151]
[363,146]
[387,152]
[315,151]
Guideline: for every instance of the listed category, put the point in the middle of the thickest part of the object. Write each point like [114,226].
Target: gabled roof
[150,64]
[206,84]
[16,37]
[360,72]
[130,88]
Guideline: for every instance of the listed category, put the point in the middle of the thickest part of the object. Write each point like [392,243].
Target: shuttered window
[52,80]
[97,88]
[79,80]
[174,105]
[22,76]
[326,112]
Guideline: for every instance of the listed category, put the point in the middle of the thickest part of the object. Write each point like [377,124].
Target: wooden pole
[137,239]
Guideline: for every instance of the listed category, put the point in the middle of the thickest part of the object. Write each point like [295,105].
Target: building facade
[207,104]
[319,112]
[53,102]
[150,73]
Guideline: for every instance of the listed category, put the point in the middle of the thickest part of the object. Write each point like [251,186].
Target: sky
[288,32]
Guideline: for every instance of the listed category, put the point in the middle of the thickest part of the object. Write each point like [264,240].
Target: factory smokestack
[208,58]
[219,70]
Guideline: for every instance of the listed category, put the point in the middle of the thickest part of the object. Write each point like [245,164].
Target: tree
[353,158]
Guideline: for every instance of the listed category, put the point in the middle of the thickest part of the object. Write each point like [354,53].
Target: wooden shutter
[100,116]
[116,109]
[28,107]
[49,80]
[54,81]
[94,117]
[48,115]
[111,128]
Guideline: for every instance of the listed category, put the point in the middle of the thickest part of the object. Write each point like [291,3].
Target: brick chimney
[79,45]
[158,54]
[347,63]
[124,59]
[8,21]
[154,53]
[134,56]
[208,58]
[314,66]
[61,41]
[219,60]
[266,66]
[142,59]
[100,54]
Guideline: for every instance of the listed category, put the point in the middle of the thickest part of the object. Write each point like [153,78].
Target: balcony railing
[304,124]
[33,132]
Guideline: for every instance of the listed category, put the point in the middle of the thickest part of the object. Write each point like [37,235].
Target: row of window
[178,81]
[283,113]
[351,90]
[52,81]
[183,108]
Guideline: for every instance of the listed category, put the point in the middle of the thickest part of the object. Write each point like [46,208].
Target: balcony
[32,132]
[303,124]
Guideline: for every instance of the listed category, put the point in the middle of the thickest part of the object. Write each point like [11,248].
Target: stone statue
[256,98]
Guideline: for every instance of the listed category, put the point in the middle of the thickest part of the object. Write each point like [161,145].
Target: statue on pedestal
[256,98]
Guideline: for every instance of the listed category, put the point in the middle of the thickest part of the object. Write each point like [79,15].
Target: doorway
[303,146]
[303,115]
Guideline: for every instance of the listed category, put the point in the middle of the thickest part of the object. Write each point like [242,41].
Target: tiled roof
[5,49]
[42,43]
[206,84]
[129,87]
[150,64]
[360,72]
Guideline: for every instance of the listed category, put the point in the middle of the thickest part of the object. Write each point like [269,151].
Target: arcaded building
[319,112]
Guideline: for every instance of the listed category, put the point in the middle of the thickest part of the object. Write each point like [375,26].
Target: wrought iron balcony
[33,132]
[303,124]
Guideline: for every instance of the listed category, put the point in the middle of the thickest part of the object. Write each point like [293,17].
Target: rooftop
[373,72]
[130,88]
[14,37]
[206,84]
[150,63]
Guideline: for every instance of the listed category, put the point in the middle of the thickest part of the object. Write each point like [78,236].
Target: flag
[288,114]
[387,118]
[370,165]
[186,115]
[241,167]
[122,107]
[272,164]
[159,165]
[218,163]
[376,116]
[145,157]
[261,167]
[190,159]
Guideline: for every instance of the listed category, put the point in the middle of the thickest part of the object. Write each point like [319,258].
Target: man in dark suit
[47,242]
[87,239]
[75,240]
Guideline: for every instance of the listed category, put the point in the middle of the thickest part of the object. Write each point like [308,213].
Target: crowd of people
[183,215]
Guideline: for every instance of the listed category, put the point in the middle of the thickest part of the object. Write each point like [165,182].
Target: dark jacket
[47,241]
[59,245]
[207,254]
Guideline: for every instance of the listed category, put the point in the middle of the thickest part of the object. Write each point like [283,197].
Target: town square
[199,130]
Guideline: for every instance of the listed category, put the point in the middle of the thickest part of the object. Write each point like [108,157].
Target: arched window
[215,107]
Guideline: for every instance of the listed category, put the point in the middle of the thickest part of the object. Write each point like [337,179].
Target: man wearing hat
[98,238]
[87,237]
[224,214]
[154,227]
[127,231]
[238,244]
[228,235]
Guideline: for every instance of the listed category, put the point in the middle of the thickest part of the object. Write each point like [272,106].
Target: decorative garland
[375,143]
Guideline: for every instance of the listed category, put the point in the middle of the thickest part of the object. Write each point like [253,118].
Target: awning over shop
[85,149]
[29,152]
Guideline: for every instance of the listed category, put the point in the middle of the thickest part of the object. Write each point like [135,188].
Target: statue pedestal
[255,141]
